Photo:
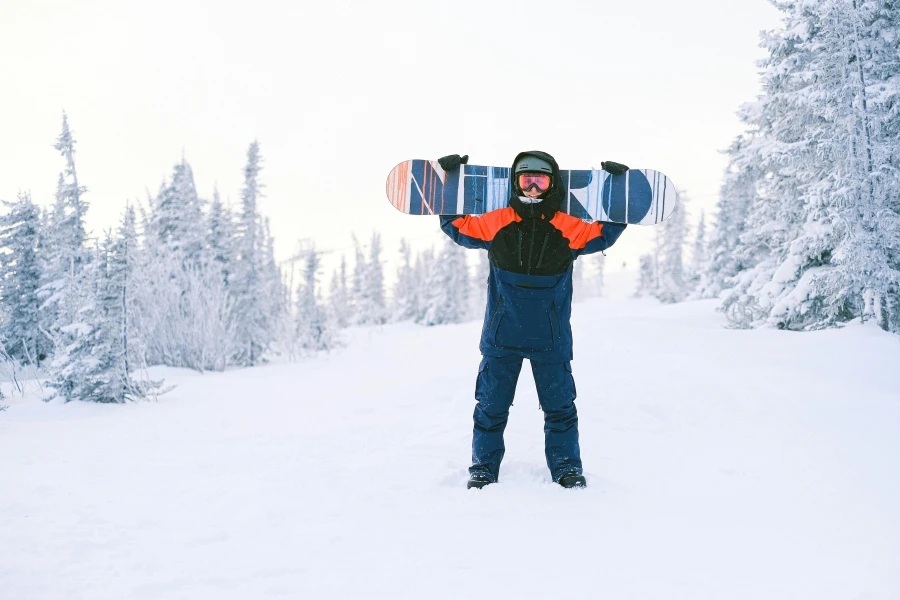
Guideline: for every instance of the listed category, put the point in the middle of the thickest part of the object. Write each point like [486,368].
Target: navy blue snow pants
[494,391]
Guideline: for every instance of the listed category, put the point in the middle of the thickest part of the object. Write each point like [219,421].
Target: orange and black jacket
[531,249]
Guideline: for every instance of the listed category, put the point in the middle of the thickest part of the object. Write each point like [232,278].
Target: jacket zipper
[519,235]
[531,248]
[543,247]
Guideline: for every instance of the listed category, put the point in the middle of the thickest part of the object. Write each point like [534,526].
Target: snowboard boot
[572,480]
[478,482]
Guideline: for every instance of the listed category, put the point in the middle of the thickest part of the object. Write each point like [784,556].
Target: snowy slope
[721,464]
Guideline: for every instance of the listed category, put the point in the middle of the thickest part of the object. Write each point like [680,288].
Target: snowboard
[637,197]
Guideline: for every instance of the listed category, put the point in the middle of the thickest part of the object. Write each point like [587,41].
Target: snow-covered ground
[721,465]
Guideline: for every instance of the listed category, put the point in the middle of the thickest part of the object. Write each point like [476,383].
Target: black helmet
[533,164]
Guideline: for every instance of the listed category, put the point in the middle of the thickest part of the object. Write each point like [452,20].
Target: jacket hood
[550,202]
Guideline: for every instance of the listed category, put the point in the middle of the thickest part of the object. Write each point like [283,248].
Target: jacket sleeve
[448,227]
[477,231]
[609,233]
[586,237]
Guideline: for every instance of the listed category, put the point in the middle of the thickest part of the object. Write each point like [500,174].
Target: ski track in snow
[720,464]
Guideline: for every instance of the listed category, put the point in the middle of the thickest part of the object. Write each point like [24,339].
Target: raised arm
[477,231]
[587,237]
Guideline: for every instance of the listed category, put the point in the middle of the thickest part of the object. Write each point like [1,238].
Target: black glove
[451,162]
[613,168]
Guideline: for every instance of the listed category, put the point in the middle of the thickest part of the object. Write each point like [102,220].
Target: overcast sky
[337,93]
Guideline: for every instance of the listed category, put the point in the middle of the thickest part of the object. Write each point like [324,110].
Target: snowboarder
[531,246]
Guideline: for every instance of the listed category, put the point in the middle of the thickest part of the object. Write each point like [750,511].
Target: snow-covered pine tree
[578,291]
[101,364]
[479,288]
[339,296]
[672,286]
[187,313]
[314,330]
[20,278]
[772,217]
[739,191]
[646,276]
[447,287]
[699,259]
[836,269]
[873,256]
[122,263]
[256,328]
[69,195]
[120,302]
[359,280]
[275,298]
[63,252]
[368,284]
[825,152]
[587,276]
[177,220]
[376,281]
[425,263]
[220,237]
[884,61]
[405,298]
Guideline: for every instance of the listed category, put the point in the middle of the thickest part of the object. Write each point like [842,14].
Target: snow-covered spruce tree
[578,291]
[69,195]
[99,365]
[479,288]
[123,260]
[368,284]
[187,312]
[359,280]
[376,281]
[425,263]
[588,275]
[447,287]
[313,327]
[699,259]
[837,269]
[673,285]
[339,296]
[20,278]
[177,219]
[825,150]
[220,237]
[878,70]
[739,191]
[256,328]
[884,62]
[772,219]
[275,297]
[646,276]
[63,253]
[405,301]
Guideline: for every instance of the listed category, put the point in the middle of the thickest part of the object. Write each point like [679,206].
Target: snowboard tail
[638,197]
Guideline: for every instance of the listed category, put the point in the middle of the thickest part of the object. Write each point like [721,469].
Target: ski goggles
[539,180]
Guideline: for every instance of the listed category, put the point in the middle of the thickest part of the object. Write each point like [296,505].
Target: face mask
[527,200]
